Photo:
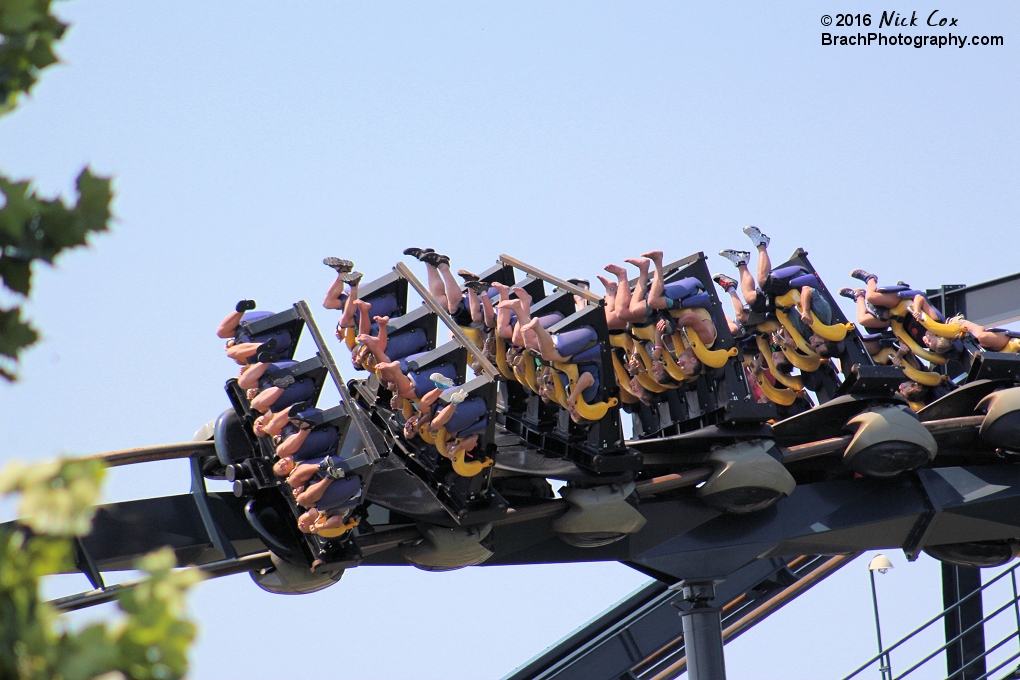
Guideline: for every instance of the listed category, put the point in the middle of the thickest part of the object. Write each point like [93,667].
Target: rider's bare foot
[654,255]
[640,263]
[522,295]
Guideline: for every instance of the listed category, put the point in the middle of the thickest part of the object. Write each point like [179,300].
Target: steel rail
[792,454]
[149,454]
[545,276]
[306,314]
[438,310]
[227,567]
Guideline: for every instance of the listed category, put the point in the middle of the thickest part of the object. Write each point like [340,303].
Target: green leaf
[92,212]
[18,208]
[15,334]
[18,16]
[16,274]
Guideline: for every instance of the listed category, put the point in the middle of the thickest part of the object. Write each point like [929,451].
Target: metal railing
[1012,604]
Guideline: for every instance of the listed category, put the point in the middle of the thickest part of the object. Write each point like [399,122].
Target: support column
[703,640]
[964,658]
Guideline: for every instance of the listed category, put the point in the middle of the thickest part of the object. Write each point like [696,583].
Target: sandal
[341,266]
[417,253]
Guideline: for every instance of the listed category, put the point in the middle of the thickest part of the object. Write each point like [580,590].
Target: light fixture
[880,563]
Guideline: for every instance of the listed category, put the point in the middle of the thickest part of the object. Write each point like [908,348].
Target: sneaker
[737,257]
[339,265]
[458,396]
[851,293]
[284,382]
[862,275]
[244,306]
[441,380]
[352,278]
[435,259]
[479,287]
[417,252]
[725,282]
[757,238]
[467,276]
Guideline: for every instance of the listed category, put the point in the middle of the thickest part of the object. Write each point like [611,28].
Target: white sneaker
[440,380]
[757,238]
[459,396]
[737,257]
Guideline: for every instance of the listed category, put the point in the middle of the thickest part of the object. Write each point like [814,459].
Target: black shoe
[244,306]
[352,278]
[417,253]
[267,346]
[467,276]
[903,283]
[339,265]
[435,259]
[862,275]
[265,358]
[480,287]
[284,382]
[849,293]
[298,408]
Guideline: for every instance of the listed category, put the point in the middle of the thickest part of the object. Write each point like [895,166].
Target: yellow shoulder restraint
[504,368]
[898,313]
[596,411]
[334,533]
[474,335]
[832,333]
[714,358]
[945,330]
[408,410]
[806,359]
[559,392]
[910,367]
[783,396]
[623,380]
[794,382]
[670,363]
[460,466]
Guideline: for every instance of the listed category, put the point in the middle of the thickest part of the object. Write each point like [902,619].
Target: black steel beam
[990,303]
[965,659]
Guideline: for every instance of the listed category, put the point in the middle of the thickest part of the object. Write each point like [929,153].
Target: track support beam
[964,658]
[703,638]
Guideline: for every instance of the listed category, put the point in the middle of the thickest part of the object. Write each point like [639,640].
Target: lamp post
[881,564]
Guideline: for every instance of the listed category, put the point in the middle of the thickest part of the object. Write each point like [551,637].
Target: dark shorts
[462,315]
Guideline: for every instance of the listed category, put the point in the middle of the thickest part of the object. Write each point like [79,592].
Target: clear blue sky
[249,140]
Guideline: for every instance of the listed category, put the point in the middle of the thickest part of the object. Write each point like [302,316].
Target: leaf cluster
[151,639]
[33,228]
[29,31]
